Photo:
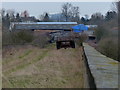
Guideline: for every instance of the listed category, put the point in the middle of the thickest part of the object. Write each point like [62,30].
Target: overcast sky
[37,8]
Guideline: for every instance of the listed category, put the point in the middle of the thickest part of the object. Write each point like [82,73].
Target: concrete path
[103,69]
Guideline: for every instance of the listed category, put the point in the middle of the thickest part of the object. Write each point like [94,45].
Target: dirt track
[32,67]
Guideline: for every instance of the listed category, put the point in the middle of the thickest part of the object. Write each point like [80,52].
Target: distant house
[57,17]
[42,25]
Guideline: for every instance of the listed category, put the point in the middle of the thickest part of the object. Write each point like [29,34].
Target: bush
[109,47]
[22,37]
[6,37]
[81,39]
[100,32]
[41,40]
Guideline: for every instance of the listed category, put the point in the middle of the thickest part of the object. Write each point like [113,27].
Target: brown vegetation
[107,37]
[23,37]
[33,67]
[109,47]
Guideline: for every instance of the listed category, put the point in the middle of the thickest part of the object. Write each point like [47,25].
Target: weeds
[25,54]
[109,47]
[21,66]
[22,37]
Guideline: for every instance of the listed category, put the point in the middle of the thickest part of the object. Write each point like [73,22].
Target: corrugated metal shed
[43,25]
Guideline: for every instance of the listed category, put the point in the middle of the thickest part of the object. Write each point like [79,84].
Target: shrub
[41,40]
[6,37]
[22,37]
[100,32]
[109,47]
[81,39]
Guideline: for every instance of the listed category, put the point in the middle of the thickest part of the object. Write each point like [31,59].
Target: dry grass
[43,68]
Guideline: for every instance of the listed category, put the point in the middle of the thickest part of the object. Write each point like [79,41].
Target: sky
[38,8]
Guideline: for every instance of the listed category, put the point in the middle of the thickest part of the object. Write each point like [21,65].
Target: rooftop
[44,22]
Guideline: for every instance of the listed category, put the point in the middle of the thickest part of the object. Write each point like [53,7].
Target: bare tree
[86,16]
[97,15]
[11,13]
[118,6]
[75,14]
[114,6]
[2,12]
[41,17]
[66,10]
[25,14]
[96,18]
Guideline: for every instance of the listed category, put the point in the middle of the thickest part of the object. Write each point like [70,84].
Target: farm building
[42,25]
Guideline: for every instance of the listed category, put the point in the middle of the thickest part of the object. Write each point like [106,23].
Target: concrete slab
[103,69]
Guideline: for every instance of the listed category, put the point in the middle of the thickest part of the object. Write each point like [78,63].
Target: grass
[22,82]
[22,66]
[46,68]
[13,58]
[113,63]
[28,81]
[25,54]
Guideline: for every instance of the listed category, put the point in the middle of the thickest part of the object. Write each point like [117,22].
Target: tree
[2,12]
[66,11]
[11,13]
[75,14]
[118,11]
[118,6]
[96,18]
[86,16]
[70,12]
[25,14]
[18,17]
[101,32]
[115,6]
[110,15]
[6,21]
[45,17]
[83,20]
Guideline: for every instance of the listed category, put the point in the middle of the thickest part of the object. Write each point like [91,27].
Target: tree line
[68,13]
[107,33]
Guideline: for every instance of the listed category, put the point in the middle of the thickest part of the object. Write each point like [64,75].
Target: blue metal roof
[79,28]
